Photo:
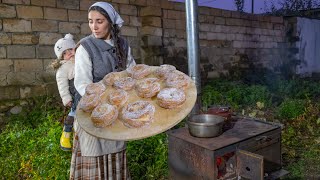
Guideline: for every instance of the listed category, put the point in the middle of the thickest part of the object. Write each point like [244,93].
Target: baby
[64,65]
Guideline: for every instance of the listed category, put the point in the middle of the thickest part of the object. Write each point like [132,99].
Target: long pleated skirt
[109,166]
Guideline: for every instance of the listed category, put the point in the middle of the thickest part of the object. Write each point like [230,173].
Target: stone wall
[228,40]
[155,30]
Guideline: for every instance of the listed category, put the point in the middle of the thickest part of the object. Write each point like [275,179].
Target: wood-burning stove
[248,148]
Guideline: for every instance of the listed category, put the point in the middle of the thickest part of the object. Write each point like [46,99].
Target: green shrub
[235,94]
[147,158]
[283,88]
[257,93]
[30,145]
[291,108]
[295,88]
[211,96]
[219,92]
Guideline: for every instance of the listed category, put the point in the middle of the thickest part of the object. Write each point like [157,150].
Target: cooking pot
[223,111]
[205,125]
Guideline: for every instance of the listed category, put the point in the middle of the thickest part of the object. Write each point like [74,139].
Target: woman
[97,55]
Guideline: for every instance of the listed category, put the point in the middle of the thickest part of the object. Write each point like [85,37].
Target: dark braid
[115,33]
[115,36]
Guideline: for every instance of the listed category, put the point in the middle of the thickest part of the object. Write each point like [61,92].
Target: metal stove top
[236,130]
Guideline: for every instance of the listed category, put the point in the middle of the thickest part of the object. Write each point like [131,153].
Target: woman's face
[99,25]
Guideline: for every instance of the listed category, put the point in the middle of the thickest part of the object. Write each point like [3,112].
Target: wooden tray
[164,118]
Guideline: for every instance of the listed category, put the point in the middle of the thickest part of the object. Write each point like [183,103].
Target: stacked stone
[155,29]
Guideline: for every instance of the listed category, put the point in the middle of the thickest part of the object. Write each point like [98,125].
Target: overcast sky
[229,4]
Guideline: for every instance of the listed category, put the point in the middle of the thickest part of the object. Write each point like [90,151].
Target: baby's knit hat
[63,44]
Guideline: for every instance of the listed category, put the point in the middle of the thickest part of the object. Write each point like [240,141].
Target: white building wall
[309,46]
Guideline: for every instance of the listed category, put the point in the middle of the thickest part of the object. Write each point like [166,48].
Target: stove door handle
[263,139]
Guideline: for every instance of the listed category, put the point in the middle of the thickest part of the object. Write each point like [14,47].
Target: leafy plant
[290,7]
[301,145]
[211,96]
[239,5]
[147,158]
[257,93]
[235,94]
[290,108]
[30,144]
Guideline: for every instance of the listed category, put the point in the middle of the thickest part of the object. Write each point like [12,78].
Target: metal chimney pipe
[193,48]
[252,6]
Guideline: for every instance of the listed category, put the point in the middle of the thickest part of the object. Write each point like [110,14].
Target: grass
[29,147]
[29,142]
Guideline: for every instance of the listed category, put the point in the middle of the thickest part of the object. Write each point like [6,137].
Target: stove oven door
[267,145]
[249,165]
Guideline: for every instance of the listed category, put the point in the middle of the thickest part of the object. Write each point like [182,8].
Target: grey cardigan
[103,61]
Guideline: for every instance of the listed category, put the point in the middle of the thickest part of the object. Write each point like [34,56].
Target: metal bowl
[205,125]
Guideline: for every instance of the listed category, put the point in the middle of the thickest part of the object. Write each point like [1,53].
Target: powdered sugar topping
[171,94]
[137,109]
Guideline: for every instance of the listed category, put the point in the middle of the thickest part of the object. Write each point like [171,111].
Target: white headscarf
[114,16]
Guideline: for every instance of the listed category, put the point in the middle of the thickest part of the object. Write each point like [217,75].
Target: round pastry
[110,78]
[139,71]
[170,98]
[95,88]
[118,97]
[163,71]
[88,102]
[125,83]
[138,114]
[104,115]
[148,87]
[178,80]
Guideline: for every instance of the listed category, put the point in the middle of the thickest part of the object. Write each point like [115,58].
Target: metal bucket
[205,125]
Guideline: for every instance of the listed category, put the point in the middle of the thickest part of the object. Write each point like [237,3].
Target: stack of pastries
[134,96]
